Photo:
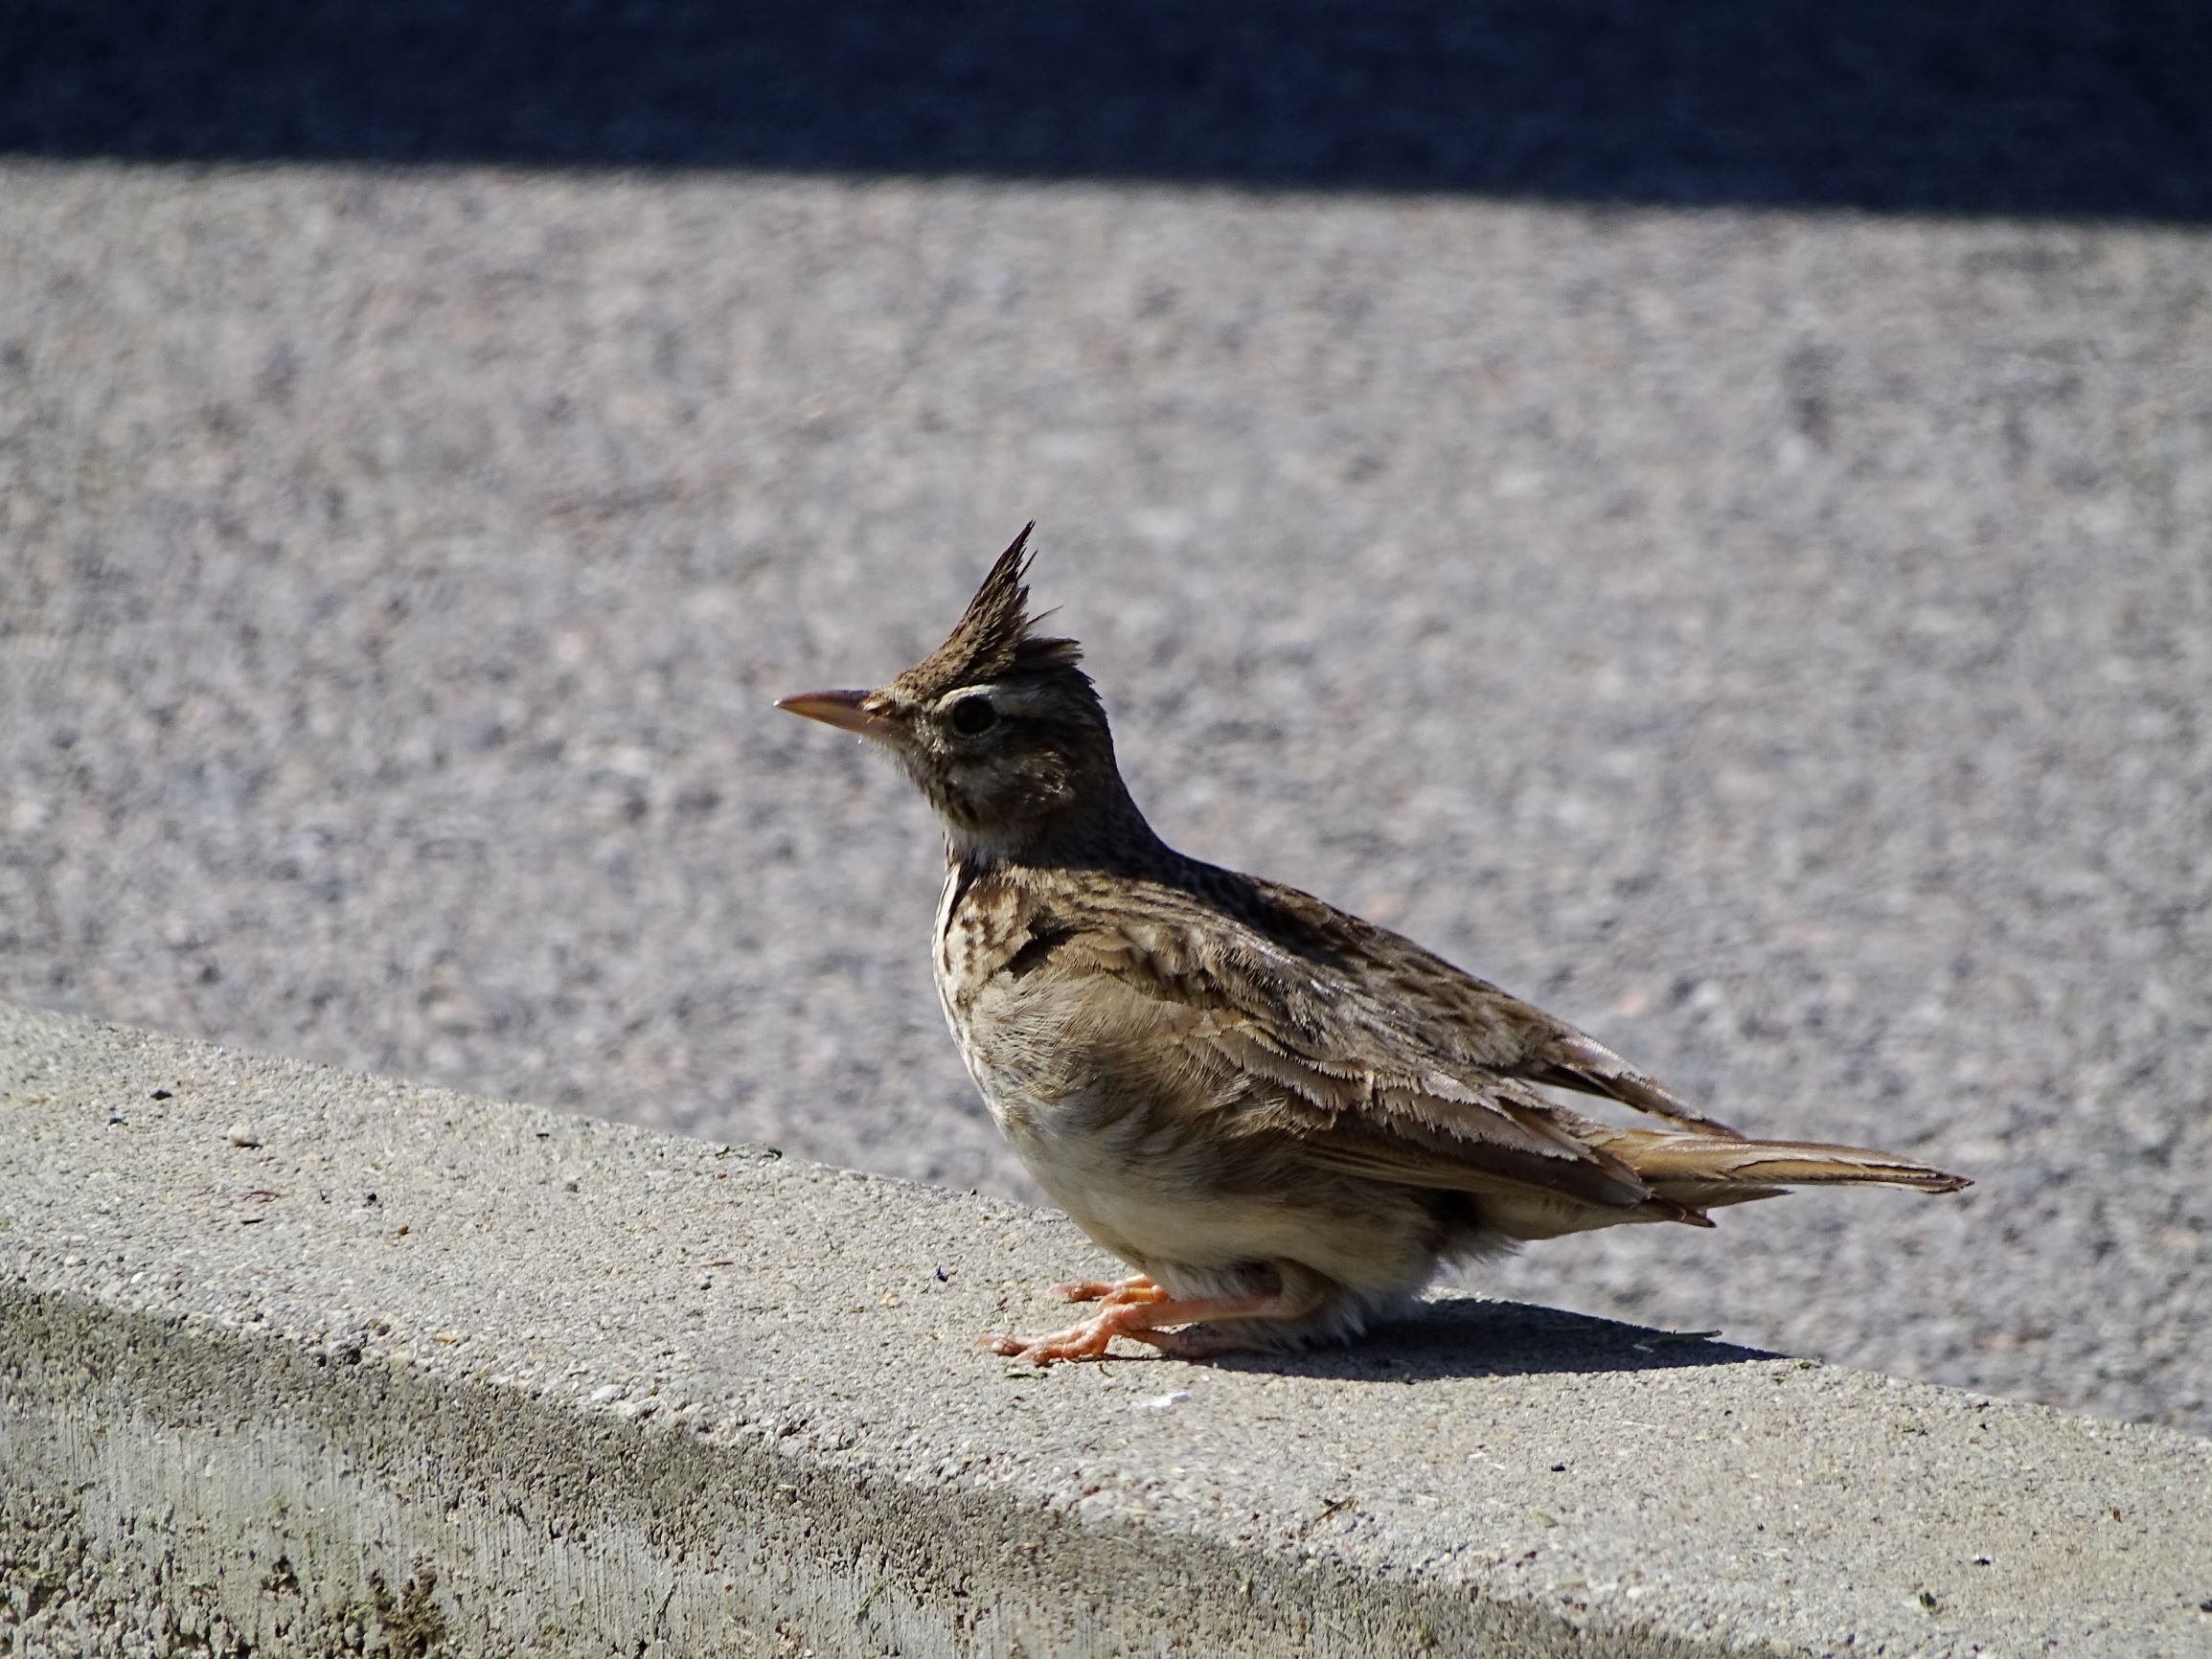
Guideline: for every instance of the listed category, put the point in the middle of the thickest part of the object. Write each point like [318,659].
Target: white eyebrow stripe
[1007,696]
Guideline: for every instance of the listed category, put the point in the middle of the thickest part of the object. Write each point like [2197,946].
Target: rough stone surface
[1777,642]
[420,1372]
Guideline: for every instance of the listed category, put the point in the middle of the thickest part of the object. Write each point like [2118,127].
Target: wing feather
[1362,1054]
[1361,1088]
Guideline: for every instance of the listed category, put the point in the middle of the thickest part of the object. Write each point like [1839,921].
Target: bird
[1288,1120]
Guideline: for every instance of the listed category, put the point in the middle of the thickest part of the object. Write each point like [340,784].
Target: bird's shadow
[1470,1336]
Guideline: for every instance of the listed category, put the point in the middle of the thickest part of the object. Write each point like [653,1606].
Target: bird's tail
[1699,1171]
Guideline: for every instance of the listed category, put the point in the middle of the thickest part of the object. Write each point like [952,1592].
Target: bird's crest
[997,638]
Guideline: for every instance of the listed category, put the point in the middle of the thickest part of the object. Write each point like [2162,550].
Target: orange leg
[1111,1292]
[1141,1320]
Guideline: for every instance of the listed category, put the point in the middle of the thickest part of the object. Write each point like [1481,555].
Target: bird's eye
[972,716]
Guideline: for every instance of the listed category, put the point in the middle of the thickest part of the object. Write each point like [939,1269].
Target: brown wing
[1372,1058]
[1379,1059]
[1451,1020]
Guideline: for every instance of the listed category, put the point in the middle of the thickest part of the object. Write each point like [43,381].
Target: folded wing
[1409,1072]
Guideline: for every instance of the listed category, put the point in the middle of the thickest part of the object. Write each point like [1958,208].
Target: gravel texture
[415,1373]
[1777,643]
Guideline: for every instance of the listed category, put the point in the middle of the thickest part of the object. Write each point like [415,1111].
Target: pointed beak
[861,711]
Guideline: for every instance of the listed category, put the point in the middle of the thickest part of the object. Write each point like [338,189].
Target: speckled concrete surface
[1778,642]
[312,1360]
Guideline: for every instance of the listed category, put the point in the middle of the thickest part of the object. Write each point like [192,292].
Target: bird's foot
[1141,1320]
[1111,1292]
[1085,1341]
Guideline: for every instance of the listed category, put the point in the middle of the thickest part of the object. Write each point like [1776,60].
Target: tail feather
[1702,1170]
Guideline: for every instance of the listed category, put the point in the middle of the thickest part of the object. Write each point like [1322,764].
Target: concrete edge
[244,1433]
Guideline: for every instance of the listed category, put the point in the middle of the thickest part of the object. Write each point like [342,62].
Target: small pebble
[1164,1401]
[244,1135]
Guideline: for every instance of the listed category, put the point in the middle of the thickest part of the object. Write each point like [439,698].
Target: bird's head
[998,726]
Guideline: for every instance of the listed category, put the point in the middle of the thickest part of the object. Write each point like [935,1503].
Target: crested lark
[1287,1119]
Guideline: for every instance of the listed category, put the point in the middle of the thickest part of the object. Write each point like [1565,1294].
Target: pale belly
[1137,1189]
[1148,1183]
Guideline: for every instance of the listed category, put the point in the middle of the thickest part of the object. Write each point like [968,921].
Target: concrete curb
[302,1362]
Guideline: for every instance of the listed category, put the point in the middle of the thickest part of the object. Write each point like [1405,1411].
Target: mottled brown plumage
[1284,1118]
